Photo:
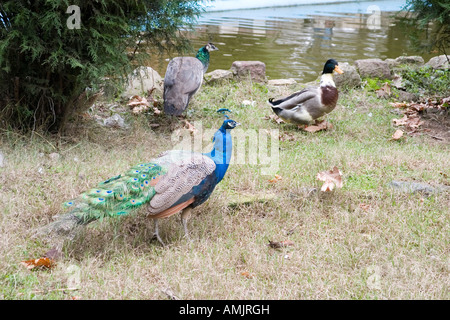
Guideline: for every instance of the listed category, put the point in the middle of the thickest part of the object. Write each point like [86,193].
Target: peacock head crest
[228,124]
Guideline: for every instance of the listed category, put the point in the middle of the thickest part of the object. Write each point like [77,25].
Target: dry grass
[364,241]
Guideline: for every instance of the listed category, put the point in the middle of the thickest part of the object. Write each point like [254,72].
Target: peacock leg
[185,215]
[156,233]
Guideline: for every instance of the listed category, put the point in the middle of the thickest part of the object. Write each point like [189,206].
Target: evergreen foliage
[429,24]
[50,69]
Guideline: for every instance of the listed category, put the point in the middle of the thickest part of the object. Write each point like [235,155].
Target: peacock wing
[185,170]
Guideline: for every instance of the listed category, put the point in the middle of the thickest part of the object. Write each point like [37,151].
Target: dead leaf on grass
[274,117]
[41,263]
[247,274]
[384,91]
[287,137]
[397,134]
[190,127]
[318,126]
[276,179]
[280,244]
[332,178]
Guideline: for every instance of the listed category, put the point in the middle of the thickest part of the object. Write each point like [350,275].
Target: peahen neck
[221,152]
[203,56]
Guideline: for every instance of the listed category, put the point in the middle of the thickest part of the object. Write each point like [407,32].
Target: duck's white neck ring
[327,80]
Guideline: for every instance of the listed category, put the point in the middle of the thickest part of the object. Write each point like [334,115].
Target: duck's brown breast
[329,96]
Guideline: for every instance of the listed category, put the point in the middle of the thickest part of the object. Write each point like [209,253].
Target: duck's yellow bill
[338,70]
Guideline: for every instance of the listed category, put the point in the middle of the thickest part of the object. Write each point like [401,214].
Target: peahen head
[203,54]
[330,66]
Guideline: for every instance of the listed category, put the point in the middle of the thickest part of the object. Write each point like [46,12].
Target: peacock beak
[338,70]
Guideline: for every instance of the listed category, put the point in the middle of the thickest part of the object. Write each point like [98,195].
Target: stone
[54,156]
[438,62]
[255,69]
[405,96]
[349,79]
[218,75]
[141,80]
[417,187]
[115,121]
[417,60]
[281,82]
[2,160]
[373,68]
[392,63]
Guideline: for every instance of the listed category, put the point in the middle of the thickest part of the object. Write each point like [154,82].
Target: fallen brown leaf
[384,91]
[247,274]
[280,244]
[274,117]
[318,126]
[397,134]
[286,137]
[41,263]
[332,178]
[276,179]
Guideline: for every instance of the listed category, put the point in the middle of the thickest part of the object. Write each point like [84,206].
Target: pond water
[295,41]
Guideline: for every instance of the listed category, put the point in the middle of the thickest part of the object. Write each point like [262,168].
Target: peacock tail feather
[118,195]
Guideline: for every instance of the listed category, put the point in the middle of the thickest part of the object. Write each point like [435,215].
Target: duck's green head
[330,66]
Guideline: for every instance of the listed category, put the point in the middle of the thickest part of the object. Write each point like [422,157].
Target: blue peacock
[183,78]
[176,180]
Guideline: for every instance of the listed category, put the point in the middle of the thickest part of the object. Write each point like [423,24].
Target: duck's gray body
[311,103]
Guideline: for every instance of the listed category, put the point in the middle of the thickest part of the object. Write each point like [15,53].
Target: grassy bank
[364,241]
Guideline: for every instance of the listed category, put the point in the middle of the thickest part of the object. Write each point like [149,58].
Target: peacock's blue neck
[203,56]
[221,152]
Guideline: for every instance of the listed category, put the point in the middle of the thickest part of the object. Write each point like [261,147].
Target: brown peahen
[184,77]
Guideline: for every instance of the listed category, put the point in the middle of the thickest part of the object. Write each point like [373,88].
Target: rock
[405,96]
[349,79]
[141,80]
[373,68]
[417,187]
[281,82]
[439,62]
[255,69]
[54,156]
[115,121]
[417,60]
[392,63]
[218,75]
[2,160]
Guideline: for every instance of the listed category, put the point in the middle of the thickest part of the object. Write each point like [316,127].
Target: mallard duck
[311,103]
[184,77]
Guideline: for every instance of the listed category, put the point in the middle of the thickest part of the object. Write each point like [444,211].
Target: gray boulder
[349,79]
[373,68]
[255,69]
[392,63]
[439,62]
[416,60]
[141,80]
[218,75]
